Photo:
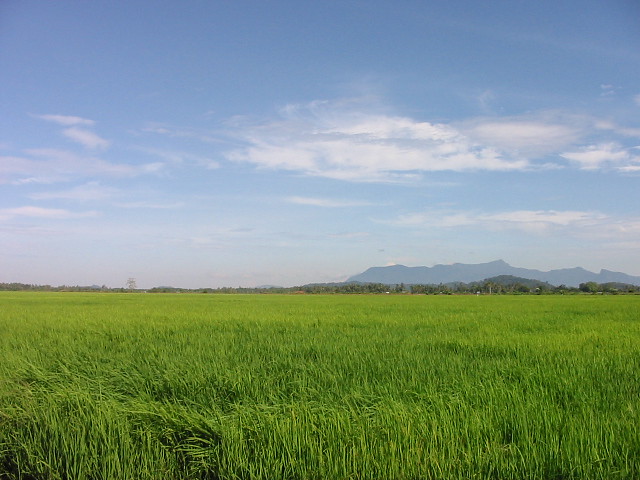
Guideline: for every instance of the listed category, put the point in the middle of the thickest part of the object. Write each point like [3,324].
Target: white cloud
[39,212]
[327,202]
[528,136]
[85,138]
[30,180]
[65,120]
[74,131]
[72,165]
[607,90]
[47,165]
[349,235]
[178,132]
[598,156]
[175,157]
[540,220]
[323,139]
[26,169]
[561,225]
[611,126]
[87,192]
[630,168]
[151,205]
[532,221]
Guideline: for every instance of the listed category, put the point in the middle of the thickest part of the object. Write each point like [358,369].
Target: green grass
[108,386]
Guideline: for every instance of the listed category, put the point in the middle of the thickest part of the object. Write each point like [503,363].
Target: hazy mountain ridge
[461,272]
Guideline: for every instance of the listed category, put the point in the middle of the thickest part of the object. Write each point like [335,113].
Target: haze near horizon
[207,144]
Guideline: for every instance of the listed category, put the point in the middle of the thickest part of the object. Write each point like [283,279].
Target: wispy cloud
[85,138]
[88,192]
[531,221]
[72,164]
[39,212]
[65,120]
[608,90]
[151,205]
[608,125]
[594,157]
[74,132]
[530,136]
[327,202]
[349,235]
[176,157]
[48,165]
[630,168]
[172,131]
[609,231]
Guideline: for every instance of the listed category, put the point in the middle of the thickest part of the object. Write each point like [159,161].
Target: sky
[248,143]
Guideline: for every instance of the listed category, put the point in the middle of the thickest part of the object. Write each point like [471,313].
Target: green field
[142,386]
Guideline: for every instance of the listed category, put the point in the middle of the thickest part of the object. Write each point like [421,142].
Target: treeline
[484,287]
[498,286]
[15,287]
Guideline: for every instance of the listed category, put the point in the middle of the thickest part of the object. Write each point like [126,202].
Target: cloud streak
[151,205]
[528,136]
[594,157]
[327,202]
[91,191]
[66,120]
[39,212]
[48,165]
[85,138]
[539,222]
[176,158]
[75,133]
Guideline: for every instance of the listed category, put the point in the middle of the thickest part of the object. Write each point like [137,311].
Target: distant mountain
[462,272]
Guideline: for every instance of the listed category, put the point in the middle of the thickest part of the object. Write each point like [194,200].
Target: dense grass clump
[109,386]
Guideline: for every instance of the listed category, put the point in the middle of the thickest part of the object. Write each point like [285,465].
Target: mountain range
[462,272]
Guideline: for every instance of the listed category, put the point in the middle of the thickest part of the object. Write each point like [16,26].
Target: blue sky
[219,143]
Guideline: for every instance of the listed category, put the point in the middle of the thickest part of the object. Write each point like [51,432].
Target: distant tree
[131,283]
[419,289]
[492,287]
[589,287]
